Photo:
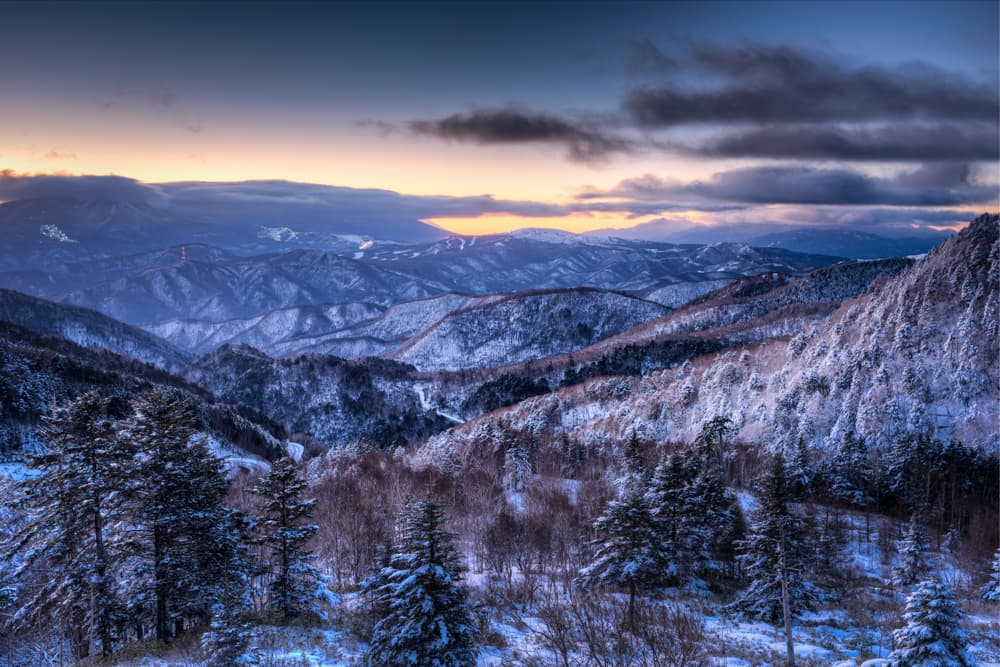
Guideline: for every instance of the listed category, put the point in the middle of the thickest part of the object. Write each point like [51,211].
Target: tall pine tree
[628,551]
[284,530]
[185,539]
[427,621]
[68,508]
[933,634]
[913,562]
[775,558]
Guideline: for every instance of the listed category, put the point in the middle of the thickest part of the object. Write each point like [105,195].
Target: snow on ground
[426,405]
[295,450]
[17,472]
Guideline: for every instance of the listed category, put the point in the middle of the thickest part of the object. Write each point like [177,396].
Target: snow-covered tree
[933,635]
[427,623]
[672,507]
[184,538]
[694,513]
[628,550]
[712,439]
[775,556]
[801,472]
[633,464]
[284,529]
[850,471]
[68,509]
[991,591]
[228,641]
[913,561]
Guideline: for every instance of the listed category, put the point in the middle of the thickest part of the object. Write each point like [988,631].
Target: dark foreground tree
[628,548]
[64,532]
[775,559]
[427,622]
[933,635]
[187,543]
[284,530]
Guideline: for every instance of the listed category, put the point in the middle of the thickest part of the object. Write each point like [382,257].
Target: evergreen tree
[711,441]
[672,507]
[849,473]
[68,509]
[933,635]
[228,641]
[627,548]
[912,548]
[715,521]
[775,556]
[991,591]
[801,473]
[428,622]
[186,541]
[284,531]
[695,514]
[636,473]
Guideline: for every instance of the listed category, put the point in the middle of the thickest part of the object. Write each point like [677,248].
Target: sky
[494,116]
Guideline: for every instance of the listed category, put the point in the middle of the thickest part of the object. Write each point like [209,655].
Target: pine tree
[849,472]
[715,521]
[636,473]
[186,541]
[672,508]
[228,641]
[284,532]
[933,635]
[67,509]
[801,473]
[912,548]
[991,591]
[775,557]
[711,441]
[428,622]
[627,548]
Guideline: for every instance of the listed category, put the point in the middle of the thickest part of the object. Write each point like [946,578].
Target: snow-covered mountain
[914,353]
[337,401]
[39,371]
[268,329]
[524,326]
[853,241]
[41,231]
[447,331]
[89,328]
[213,285]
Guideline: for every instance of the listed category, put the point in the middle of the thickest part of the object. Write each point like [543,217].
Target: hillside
[89,329]
[38,371]
[910,355]
[522,327]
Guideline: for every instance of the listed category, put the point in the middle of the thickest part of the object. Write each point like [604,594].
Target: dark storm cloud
[773,84]
[584,142]
[897,143]
[307,204]
[44,186]
[926,186]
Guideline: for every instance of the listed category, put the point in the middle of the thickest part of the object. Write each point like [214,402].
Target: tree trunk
[631,604]
[785,606]
[162,629]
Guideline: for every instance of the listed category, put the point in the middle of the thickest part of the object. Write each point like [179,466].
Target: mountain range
[439,341]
